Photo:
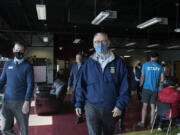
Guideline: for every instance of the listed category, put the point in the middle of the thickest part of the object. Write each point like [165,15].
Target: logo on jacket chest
[112,70]
[10,67]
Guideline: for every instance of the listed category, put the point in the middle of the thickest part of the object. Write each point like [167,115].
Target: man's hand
[78,112]
[26,107]
[116,112]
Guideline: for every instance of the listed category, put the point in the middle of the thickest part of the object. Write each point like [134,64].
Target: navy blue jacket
[19,79]
[104,89]
[74,75]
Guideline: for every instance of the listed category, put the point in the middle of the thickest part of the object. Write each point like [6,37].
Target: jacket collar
[110,58]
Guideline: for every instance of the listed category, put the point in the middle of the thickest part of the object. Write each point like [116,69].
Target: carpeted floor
[173,131]
[64,122]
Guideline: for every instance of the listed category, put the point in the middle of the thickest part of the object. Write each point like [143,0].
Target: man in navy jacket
[73,77]
[74,74]
[102,88]
[19,79]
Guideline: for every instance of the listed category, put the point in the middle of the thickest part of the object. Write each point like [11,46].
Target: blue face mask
[100,48]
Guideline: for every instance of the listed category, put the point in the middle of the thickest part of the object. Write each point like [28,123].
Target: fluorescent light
[177,30]
[41,11]
[152,45]
[101,16]
[130,44]
[113,49]
[45,39]
[58,68]
[91,49]
[153,21]
[61,47]
[76,41]
[147,51]
[172,47]
[149,22]
[130,50]
[127,56]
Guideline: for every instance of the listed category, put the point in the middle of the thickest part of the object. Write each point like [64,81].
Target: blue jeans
[99,120]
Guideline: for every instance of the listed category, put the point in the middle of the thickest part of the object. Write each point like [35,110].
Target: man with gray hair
[103,88]
[19,79]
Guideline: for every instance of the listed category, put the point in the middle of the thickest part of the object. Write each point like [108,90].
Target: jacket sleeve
[123,98]
[3,77]
[167,96]
[30,83]
[70,77]
[80,91]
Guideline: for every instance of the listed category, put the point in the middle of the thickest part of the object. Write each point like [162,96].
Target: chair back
[162,108]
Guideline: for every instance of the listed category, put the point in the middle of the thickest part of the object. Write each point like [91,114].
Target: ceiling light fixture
[61,48]
[113,49]
[177,15]
[173,47]
[41,11]
[130,50]
[130,44]
[127,56]
[99,18]
[103,15]
[45,39]
[152,45]
[147,51]
[153,21]
[91,49]
[77,40]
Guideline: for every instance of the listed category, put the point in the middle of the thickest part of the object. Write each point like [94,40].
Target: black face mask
[163,65]
[19,55]
[139,64]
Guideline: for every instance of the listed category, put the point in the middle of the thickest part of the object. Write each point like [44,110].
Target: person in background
[137,75]
[166,69]
[103,88]
[166,74]
[151,74]
[171,96]
[73,78]
[18,77]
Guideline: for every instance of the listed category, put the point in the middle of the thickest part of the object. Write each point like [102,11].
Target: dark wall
[69,49]
[5,48]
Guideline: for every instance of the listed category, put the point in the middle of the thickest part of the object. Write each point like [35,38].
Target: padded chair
[161,110]
[46,103]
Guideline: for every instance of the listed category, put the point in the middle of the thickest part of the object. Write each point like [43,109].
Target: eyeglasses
[102,41]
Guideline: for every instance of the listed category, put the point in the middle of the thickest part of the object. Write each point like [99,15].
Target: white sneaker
[159,129]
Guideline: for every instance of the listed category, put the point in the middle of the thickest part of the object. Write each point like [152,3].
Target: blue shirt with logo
[152,71]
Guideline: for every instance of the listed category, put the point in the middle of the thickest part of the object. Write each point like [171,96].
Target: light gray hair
[101,33]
